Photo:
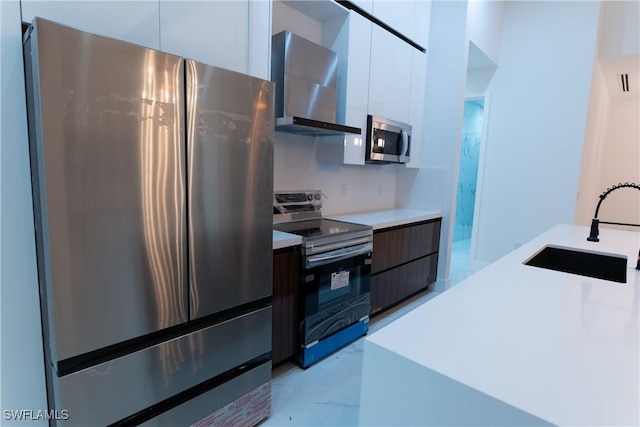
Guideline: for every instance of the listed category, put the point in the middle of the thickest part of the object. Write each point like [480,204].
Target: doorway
[470,145]
[480,70]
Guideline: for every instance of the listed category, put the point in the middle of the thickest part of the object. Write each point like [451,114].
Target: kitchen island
[514,345]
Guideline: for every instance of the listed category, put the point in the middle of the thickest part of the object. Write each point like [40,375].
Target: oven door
[335,291]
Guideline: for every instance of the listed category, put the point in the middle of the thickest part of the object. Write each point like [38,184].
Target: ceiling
[477,58]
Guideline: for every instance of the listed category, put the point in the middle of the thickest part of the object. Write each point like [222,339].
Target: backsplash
[347,188]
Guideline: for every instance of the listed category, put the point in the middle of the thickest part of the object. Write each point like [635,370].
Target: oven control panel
[306,203]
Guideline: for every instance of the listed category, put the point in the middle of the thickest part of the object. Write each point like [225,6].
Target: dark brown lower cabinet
[398,245]
[392,286]
[405,262]
[284,338]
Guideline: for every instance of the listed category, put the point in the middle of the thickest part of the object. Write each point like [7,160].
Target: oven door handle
[338,255]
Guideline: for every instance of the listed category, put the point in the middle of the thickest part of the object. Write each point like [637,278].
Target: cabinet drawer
[398,246]
[392,286]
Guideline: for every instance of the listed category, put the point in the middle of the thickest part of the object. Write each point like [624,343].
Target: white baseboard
[443,284]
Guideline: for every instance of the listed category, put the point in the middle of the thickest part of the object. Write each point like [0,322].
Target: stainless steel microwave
[388,141]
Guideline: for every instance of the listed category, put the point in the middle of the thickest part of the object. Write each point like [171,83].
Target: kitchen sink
[589,264]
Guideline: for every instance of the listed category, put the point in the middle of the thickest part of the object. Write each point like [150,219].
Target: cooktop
[320,227]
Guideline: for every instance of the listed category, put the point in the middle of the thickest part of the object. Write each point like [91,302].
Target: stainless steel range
[335,275]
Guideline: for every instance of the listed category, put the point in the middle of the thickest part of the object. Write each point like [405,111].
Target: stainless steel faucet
[595,222]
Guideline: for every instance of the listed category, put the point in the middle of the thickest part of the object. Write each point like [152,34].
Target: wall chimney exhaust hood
[305,77]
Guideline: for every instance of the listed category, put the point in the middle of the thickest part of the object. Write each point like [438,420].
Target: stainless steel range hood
[305,77]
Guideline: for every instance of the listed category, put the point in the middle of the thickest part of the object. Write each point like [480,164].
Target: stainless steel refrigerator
[153,182]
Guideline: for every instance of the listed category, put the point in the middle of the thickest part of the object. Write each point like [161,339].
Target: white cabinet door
[259,54]
[390,76]
[381,71]
[212,32]
[398,14]
[366,5]
[416,112]
[131,21]
[422,22]
[357,93]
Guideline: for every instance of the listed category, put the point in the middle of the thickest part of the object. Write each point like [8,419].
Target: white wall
[612,143]
[620,162]
[484,24]
[434,186]
[620,28]
[21,357]
[539,98]
[286,17]
[589,183]
[611,153]
[368,188]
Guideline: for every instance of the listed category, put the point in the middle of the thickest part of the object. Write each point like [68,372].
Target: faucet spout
[595,222]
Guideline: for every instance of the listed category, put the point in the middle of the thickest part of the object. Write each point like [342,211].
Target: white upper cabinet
[422,21]
[390,76]
[350,36]
[132,21]
[366,5]
[232,34]
[357,76]
[357,87]
[410,18]
[212,32]
[398,14]
[259,53]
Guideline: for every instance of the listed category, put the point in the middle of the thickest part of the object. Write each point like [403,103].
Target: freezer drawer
[219,407]
[111,391]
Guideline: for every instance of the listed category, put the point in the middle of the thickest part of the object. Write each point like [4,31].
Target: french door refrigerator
[153,181]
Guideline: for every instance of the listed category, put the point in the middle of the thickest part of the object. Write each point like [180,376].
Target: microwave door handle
[404,146]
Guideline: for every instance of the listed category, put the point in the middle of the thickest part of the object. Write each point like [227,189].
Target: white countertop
[283,240]
[561,347]
[377,219]
[388,218]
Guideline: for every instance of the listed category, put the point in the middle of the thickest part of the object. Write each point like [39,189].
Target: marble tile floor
[460,269]
[328,393]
